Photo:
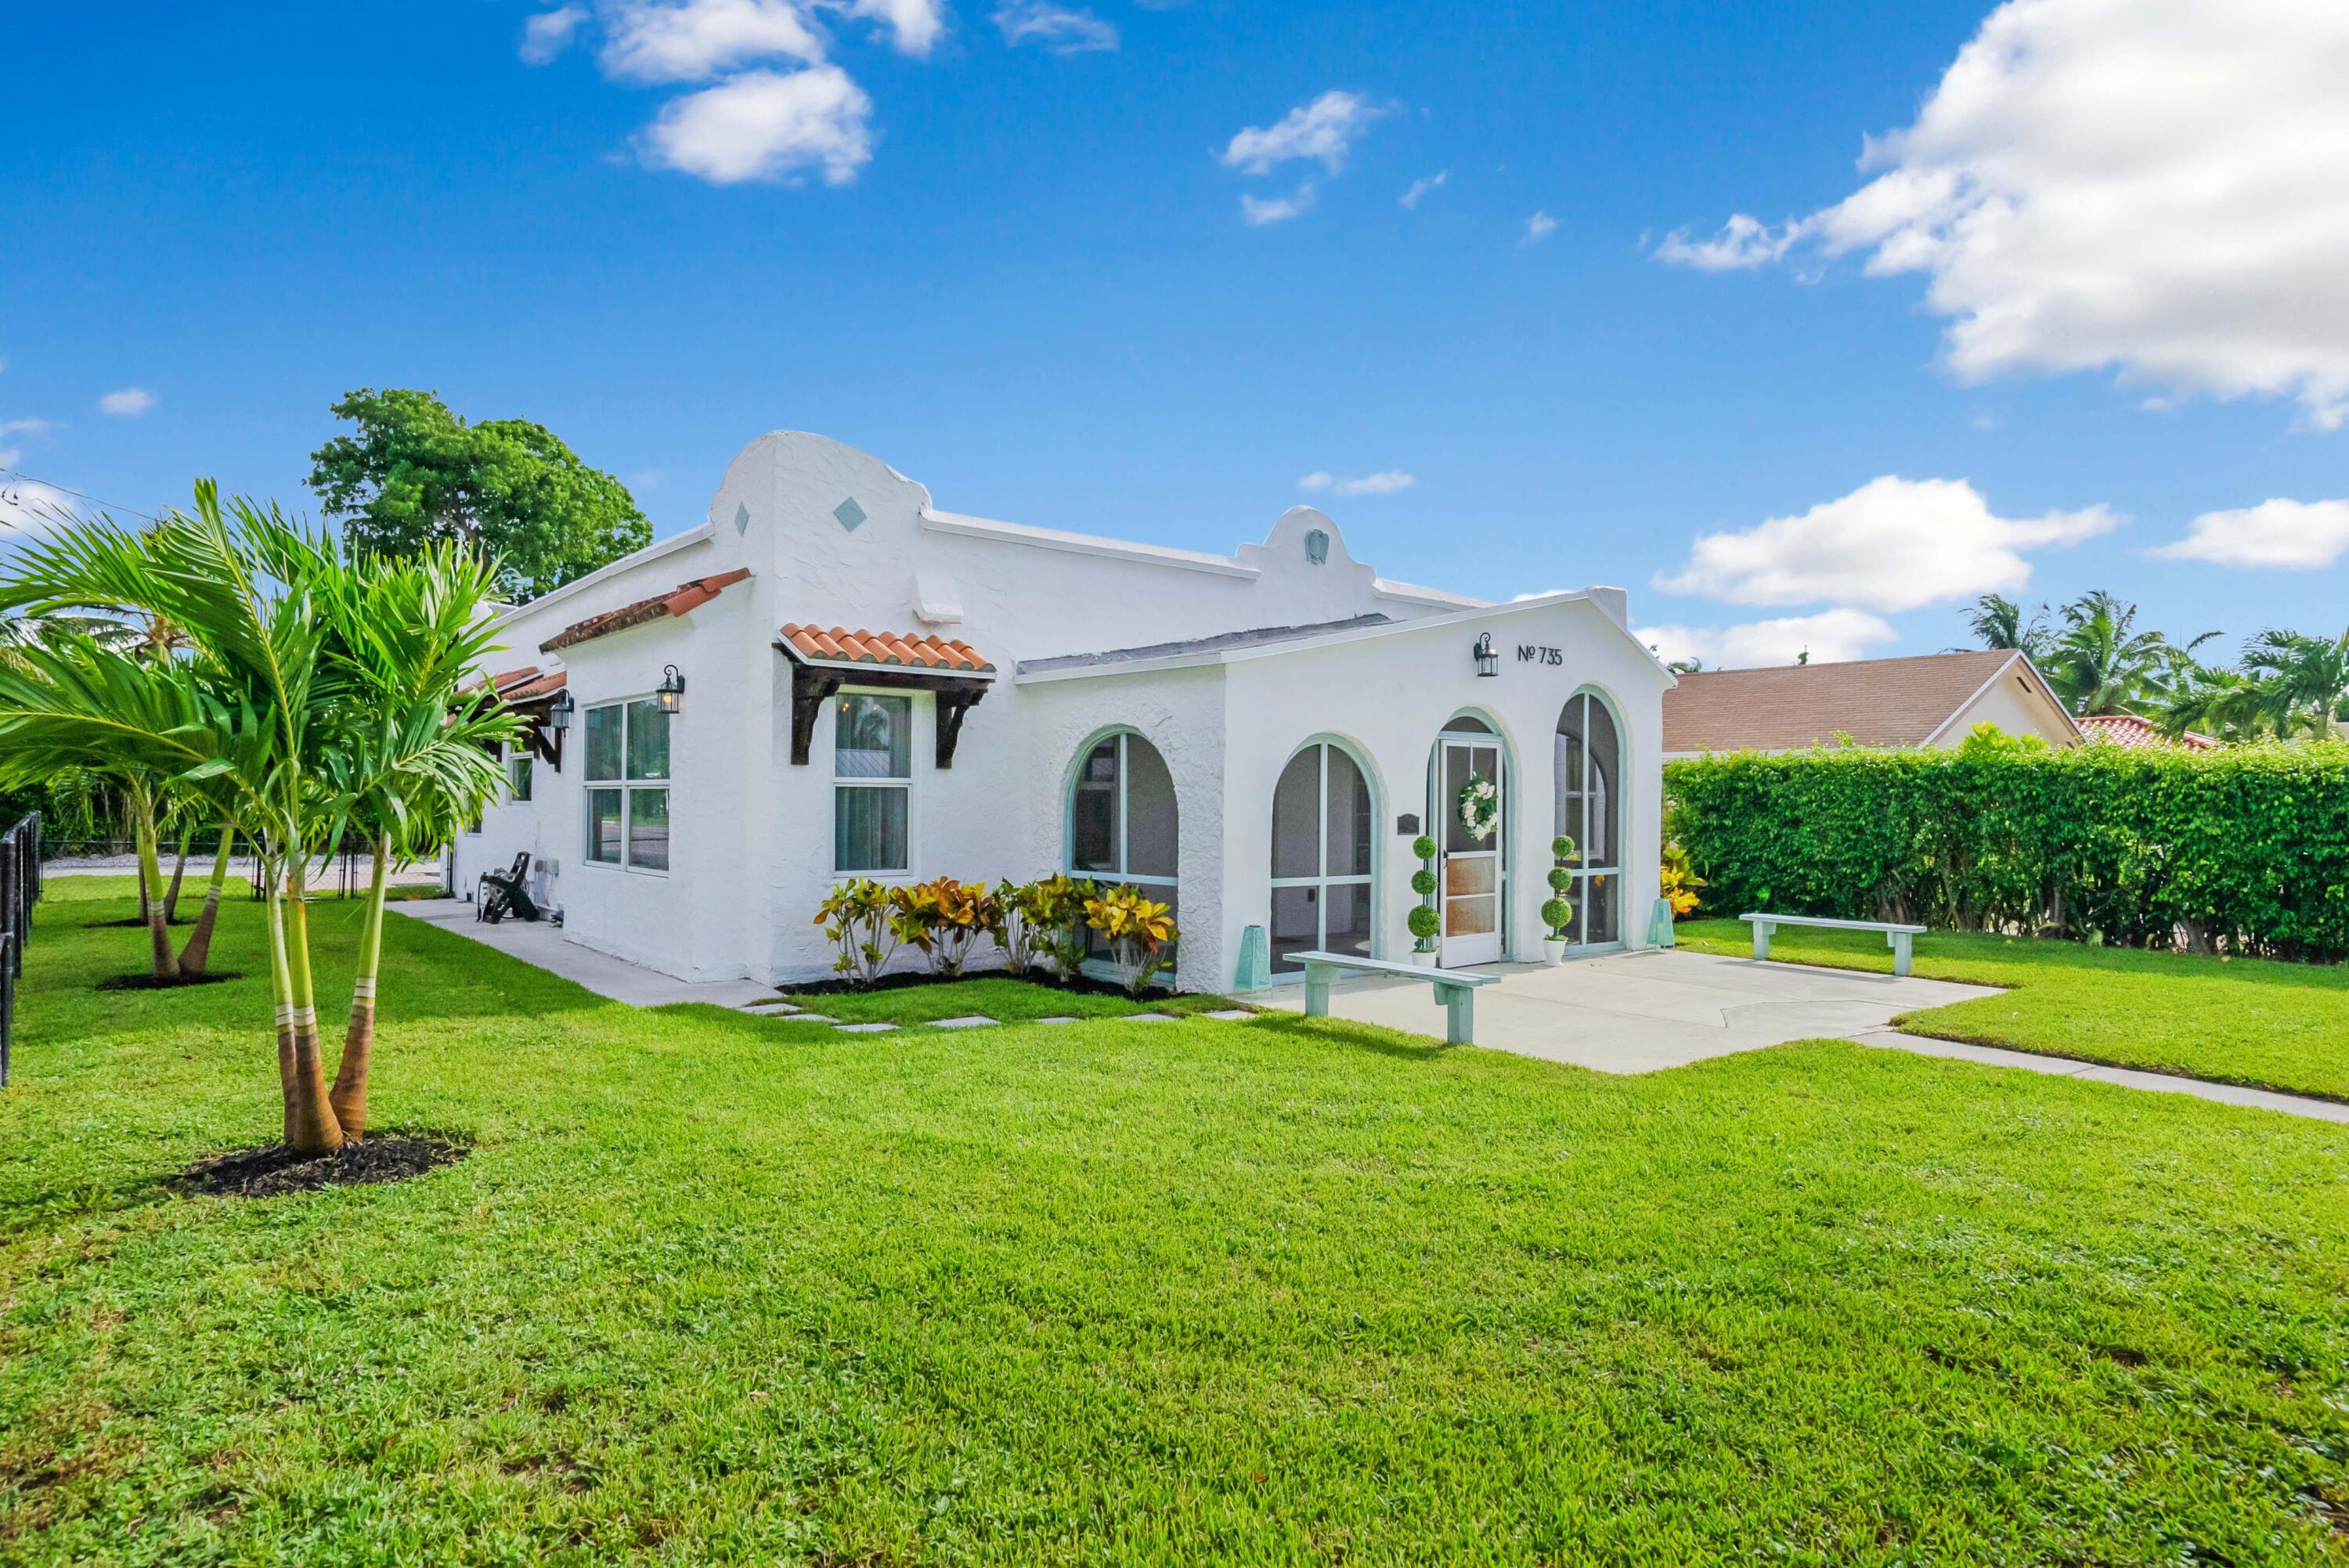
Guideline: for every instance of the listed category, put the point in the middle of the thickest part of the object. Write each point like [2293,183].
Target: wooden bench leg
[1762,930]
[1459,1014]
[1900,940]
[1317,991]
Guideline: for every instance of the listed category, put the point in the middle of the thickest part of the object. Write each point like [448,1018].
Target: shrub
[1063,936]
[2248,847]
[943,918]
[1423,921]
[1019,923]
[857,916]
[1137,929]
[1425,924]
[1677,882]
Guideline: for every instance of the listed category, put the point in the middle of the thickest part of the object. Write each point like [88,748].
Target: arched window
[1590,760]
[1320,855]
[1123,826]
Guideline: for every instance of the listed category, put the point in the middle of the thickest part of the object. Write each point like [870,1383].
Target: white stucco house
[871,686]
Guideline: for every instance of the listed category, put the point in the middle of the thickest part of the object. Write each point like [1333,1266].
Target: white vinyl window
[872,784]
[627,785]
[518,774]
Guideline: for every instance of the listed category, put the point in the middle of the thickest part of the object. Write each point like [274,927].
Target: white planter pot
[1553,953]
[1424,960]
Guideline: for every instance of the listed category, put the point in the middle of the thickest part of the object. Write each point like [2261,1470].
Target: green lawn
[1279,1292]
[2235,1020]
[1005,1001]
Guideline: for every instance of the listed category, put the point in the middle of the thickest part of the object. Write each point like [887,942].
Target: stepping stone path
[863,1028]
[1228,1015]
[1150,1017]
[976,1020]
[1057,1018]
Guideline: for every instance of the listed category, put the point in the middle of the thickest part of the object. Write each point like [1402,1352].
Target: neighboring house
[861,685]
[1933,699]
[2134,734]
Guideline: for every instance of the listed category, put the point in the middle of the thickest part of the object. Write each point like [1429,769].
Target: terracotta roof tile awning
[1877,701]
[899,650]
[685,598]
[538,688]
[2134,733]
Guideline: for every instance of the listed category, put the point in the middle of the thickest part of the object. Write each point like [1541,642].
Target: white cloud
[1058,28]
[1420,187]
[1259,210]
[1386,481]
[2152,185]
[694,40]
[1539,227]
[130,401]
[548,34]
[1324,129]
[8,455]
[2309,535]
[767,125]
[1892,544]
[1830,637]
[916,24]
[1743,242]
[27,426]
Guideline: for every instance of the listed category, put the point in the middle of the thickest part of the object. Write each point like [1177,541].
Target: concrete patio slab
[1640,1012]
[540,943]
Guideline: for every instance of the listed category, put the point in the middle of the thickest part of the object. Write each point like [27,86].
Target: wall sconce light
[558,712]
[1488,659]
[671,691]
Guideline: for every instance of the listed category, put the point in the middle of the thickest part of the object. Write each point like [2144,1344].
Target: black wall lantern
[558,712]
[671,691]
[1488,661]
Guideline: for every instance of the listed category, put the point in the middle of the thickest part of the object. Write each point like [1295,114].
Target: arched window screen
[1589,763]
[1123,824]
[1321,823]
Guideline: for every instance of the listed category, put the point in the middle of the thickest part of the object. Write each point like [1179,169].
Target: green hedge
[2247,846]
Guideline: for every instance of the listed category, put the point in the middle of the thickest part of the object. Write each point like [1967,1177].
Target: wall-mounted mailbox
[1407,823]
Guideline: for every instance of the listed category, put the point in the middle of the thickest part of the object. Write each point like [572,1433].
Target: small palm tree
[2305,681]
[1997,622]
[2101,663]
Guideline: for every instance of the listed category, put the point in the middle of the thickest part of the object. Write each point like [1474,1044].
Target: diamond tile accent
[849,513]
[741,518]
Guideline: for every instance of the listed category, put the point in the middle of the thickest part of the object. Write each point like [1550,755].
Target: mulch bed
[158,983]
[273,1168]
[905,980]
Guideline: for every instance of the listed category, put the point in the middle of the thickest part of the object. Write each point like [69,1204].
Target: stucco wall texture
[752,834]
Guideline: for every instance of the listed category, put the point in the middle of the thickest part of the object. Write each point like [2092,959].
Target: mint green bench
[1897,937]
[1456,988]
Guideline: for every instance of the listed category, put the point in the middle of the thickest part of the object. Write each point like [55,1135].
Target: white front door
[1470,876]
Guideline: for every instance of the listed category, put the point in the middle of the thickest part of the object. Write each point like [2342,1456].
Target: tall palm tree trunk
[349,1095]
[310,1124]
[199,950]
[158,936]
[179,870]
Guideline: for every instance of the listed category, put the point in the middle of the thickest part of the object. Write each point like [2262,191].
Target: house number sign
[1530,654]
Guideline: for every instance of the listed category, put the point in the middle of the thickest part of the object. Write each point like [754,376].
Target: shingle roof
[1877,701]
[683,598]
[839,645]
[2134,734]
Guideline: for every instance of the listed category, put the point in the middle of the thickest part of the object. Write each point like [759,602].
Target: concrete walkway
[1640,1012]
[540,943]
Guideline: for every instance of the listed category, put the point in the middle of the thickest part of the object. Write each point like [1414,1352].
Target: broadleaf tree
[413,473]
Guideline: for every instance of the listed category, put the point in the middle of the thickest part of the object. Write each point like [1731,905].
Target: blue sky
[1022,271]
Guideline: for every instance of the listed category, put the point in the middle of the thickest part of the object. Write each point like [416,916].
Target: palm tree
[2305,679]
[2224,704]
[2100,663]
[1997,622]
[69,701]
[262,696]
[419,759]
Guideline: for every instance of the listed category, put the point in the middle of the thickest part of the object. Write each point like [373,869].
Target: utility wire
[81,495]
